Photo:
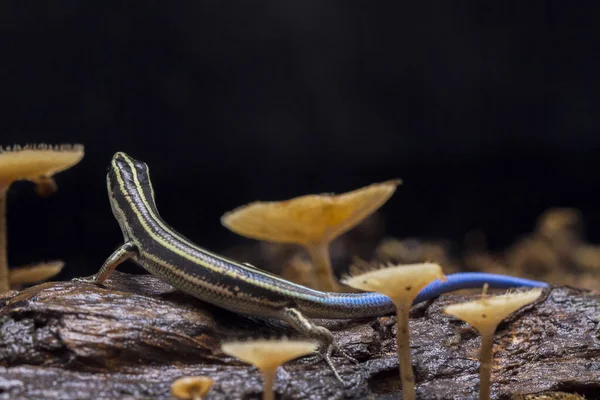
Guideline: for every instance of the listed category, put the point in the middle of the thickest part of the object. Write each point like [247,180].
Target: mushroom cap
[317,218]
[187,387]
[268,354]
[486,313]
[401,283]
[35,162]
[559,222]
[35,273]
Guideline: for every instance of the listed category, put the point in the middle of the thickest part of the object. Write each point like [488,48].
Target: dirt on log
[132,337]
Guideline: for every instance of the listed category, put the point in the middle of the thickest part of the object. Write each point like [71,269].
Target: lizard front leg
[123,253]
[297,320]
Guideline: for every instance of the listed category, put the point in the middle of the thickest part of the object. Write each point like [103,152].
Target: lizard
[240,287]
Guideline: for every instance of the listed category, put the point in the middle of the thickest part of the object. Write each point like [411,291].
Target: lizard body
[239,287]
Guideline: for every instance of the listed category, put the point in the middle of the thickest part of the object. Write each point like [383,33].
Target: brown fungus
[191,387]
[312,221]
[35,273]
[401,284]
[35,163]
[484,315]
[267,355]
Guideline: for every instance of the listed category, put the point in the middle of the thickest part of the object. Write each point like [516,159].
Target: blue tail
[473,280]
[369,304]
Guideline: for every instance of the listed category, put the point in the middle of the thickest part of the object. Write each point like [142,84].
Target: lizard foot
[87,279]
[317,357]
[327,358]
[321,334]
[325,355]
[344,354]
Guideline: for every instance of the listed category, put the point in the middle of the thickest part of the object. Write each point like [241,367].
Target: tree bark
[133,337]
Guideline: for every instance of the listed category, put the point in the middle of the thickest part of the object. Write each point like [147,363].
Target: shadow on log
[134,336]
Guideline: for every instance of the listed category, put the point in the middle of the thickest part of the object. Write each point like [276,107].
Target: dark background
[489,112]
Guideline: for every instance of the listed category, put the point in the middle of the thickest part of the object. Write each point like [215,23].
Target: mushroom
[401,284]
[267,355]
[35,273]
[485,315]
[312,221]
[37,164]
[191,387]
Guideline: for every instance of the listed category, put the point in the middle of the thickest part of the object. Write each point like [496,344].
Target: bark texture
[134,336]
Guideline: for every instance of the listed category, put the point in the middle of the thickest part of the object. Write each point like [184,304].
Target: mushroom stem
[485,315]
[195,395]
[485,367]
[4,286]
[319,254]
[403,341]
[401,284]
[269,376]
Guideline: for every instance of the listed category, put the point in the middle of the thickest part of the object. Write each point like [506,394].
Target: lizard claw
[313,359]
[325,355]
[346,355]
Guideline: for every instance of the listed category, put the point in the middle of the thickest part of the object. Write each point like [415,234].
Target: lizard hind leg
[322,334]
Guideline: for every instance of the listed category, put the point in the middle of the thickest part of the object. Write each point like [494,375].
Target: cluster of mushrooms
[38,164]
[313,222]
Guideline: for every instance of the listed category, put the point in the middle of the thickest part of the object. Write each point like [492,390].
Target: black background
[487,110]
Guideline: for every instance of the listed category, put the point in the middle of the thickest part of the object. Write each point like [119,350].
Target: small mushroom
[401,284]
[34,273]
[191,387]
[485,315]
[267,355]
[37,164]
[311,221]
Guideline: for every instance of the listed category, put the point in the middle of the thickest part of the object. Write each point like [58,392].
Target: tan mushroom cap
[190,386]
[268,354]
[308,219]
[401,282]
[486,313]
[35,273]
[36,162]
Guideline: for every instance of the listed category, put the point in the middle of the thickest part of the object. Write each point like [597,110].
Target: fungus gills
[401,284]
[311,221]
[267,355]
[485,315]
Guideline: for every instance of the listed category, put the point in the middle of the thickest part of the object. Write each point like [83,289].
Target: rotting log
[135,335]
